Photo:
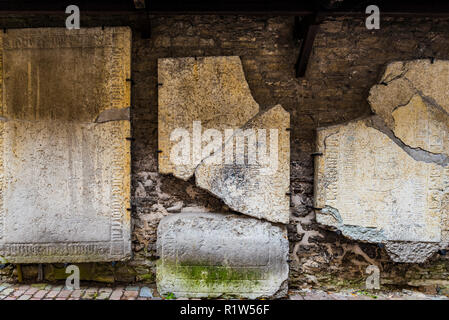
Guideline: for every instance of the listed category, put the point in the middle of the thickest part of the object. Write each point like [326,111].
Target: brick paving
[43,291]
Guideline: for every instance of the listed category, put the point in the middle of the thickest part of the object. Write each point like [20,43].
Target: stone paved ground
[43,291]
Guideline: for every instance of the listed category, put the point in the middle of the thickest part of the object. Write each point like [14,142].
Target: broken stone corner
[383,179]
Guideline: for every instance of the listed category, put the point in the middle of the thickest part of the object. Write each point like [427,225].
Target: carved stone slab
[386,179]
[256,188]
[65,178]
[212,91]
[210,126]
[216,255]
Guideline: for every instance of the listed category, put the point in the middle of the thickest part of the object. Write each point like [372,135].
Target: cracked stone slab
[208,115]
[372,190]
[209,90]
[256,188]
[385,179]
[221,255]
[412,98]
[64,179]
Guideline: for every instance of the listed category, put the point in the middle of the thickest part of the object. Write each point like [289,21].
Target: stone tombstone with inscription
[64,157]
[221,255]
[210,127]
[385,179]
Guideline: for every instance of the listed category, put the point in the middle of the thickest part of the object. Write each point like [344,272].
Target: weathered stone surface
[237,154]
[413,101]
[256,187]
[386,179]
[64,179]
[210,90]
[373,191]
[214,255]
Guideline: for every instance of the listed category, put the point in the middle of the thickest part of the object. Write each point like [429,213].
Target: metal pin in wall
[19,273]
[315,154]
[40,272]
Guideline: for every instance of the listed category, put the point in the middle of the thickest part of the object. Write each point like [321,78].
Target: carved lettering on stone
[64,179]
[210,126]
[260,188]
[219,255]
[385,179]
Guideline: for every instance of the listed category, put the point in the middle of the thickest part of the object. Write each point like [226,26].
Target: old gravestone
[206,102]
[65,177]
[385,179]
[213,255]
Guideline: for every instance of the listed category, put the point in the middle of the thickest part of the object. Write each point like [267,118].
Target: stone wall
[347,60]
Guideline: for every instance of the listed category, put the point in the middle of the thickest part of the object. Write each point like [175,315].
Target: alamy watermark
[373,280]
[73,280]
[72,21]
[373,20]
[231,147]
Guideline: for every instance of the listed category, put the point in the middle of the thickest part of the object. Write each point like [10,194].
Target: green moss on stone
[210,280]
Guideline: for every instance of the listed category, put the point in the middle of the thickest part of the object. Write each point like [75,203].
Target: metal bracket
[40,272]
[305,30]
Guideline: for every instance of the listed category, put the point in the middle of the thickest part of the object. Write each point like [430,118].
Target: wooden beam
[306,31]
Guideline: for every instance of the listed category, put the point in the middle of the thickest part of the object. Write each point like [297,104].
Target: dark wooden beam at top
[305,30]
[253,7]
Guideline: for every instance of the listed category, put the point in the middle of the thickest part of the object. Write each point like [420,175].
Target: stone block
[212,91]
[210,126]
[221,255]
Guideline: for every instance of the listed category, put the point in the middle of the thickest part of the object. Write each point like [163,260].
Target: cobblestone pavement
[43,291]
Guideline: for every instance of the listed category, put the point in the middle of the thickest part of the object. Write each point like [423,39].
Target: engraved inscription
[64,179]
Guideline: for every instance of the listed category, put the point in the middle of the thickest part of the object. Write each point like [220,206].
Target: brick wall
[346,61]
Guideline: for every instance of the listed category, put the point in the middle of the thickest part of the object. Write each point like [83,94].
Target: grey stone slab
[64,179]
[221,255]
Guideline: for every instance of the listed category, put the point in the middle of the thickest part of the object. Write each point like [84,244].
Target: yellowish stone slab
[386,179]
[64,178]
[374,184]
[256,187]
[211,91]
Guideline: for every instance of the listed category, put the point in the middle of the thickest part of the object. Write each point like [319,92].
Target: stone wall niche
[64,176]
[385,179]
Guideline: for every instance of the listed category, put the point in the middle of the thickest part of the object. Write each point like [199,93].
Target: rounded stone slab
[221,255]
